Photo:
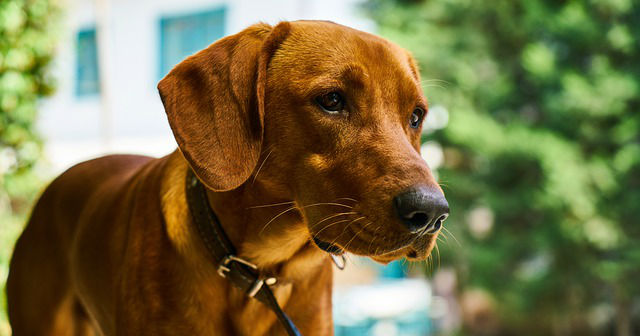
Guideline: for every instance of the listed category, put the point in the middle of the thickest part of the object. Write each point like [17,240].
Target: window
[181,36]
[87,75]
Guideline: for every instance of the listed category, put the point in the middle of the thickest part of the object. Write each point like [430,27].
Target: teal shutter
[87,75]
[181,36]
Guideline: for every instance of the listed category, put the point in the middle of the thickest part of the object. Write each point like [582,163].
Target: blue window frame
[87,79]
[181,36]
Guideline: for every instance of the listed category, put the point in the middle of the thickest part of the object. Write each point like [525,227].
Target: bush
[26,48]
[544,139]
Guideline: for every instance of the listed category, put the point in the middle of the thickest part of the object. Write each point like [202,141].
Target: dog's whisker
[353,221]
[302,207]
[298,208]
[433,85]
[346,199]
[270,205]
[430,80]
[345,228]
[356,234]
[340,235]
[438,252]
[452,235]
[267,148]
[327,203]
[448,236]
[374,238]
[332,216]
[411,265]
[439,83]
[275,217]
[348,255]
[330,225]
[255,176]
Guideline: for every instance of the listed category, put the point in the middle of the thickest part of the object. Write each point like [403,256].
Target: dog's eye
[416,117]
[331,102]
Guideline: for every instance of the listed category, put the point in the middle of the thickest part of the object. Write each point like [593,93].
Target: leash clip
[224,264]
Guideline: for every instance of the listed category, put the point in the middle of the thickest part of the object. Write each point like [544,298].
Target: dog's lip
[335,249]
[328,247]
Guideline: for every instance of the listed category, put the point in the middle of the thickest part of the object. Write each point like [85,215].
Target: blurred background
[533,131]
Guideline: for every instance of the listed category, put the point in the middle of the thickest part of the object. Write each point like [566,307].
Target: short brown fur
[110,248]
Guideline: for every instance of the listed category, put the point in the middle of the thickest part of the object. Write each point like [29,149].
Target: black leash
[241,273]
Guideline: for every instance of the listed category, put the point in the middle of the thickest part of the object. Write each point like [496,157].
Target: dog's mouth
[328,247]
[416,248]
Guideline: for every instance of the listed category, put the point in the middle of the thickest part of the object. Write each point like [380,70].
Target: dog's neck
[274,237]
[281,249]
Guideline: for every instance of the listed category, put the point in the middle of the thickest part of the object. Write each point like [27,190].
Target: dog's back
[39,293]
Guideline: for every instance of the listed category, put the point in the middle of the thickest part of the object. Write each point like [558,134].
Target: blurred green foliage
[27,33]
[542,153]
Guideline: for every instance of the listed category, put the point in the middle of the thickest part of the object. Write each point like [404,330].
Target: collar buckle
[224,264]
[223,267]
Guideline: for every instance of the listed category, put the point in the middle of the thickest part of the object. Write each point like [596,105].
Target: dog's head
[325,115]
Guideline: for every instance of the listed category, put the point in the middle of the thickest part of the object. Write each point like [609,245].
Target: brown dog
[303,130]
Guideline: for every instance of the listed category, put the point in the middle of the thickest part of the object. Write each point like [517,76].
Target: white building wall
[73,126]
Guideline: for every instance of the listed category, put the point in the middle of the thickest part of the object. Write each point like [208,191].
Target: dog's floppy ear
[214,101]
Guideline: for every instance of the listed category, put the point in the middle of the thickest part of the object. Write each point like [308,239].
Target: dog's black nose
[422,208]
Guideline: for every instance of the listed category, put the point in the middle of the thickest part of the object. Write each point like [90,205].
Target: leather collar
[241,273]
